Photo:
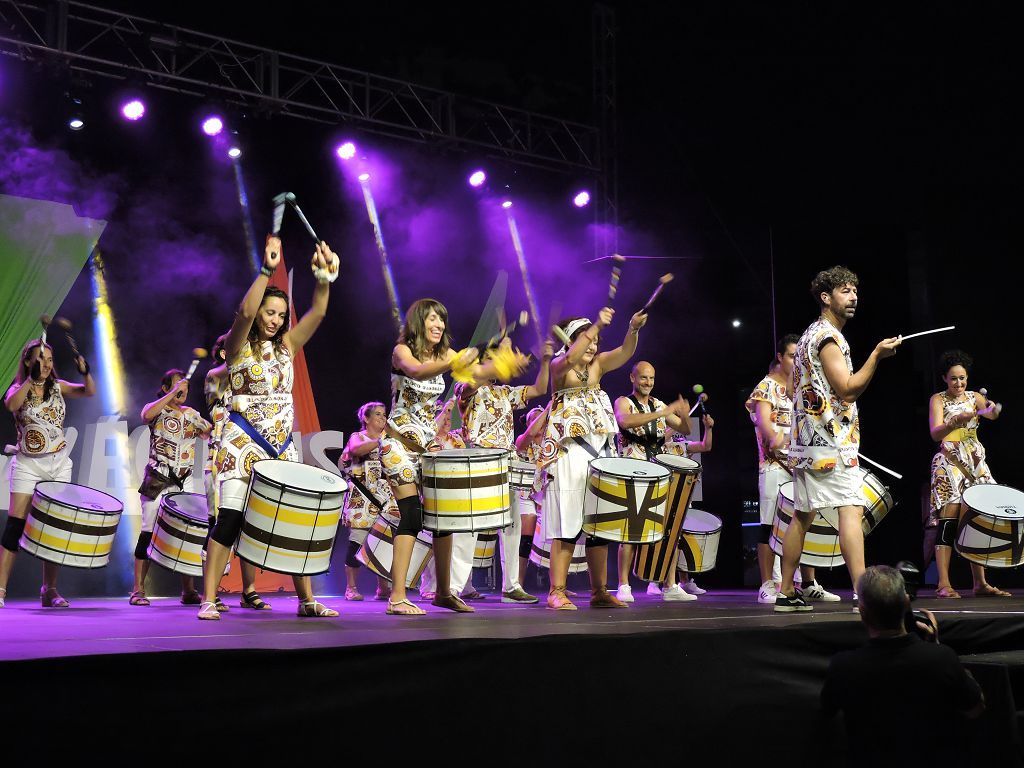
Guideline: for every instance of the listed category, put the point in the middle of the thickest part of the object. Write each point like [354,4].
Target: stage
[712,678]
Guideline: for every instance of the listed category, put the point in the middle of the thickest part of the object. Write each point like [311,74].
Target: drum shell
[521,474]
[991,534]
[466,491]
[377,551]
[698,544]
[879,504]
[69,526]
[179,538]
[821,544]
[540,552]
[483,552]
[655,562]
[288,529]
[625,501]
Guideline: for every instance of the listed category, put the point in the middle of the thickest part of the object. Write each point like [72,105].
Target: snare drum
[378,550]
[71,524]
[291,517]
[821,544]
[483,553]
[625,500]
[698,546]
[522,474]
[992,527]
[540,552]
[654,562]
[466,490]
[179,535]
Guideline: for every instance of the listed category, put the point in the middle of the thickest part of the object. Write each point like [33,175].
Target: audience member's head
[883,598]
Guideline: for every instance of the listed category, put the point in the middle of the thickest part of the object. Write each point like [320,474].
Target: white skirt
[567,487]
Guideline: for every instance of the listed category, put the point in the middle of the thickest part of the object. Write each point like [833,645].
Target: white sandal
[3,597]
[208,611]
[316,609]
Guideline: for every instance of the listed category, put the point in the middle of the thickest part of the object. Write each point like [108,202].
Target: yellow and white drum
[483,554]
[70,524]
[625,500]
[540,552]
[698,546]
[821,544]
[654,562]
[179,535]
[377,552]
[991,530]
[522,474]
[466,490]
[292,512]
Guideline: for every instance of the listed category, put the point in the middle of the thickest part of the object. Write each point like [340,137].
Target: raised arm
[850,386]
[16,395]
[88,386]
[574,354]
[703,446]
[533,430]
[618,357]
[303,330]
[151,410]
[402,359]
[540,384]
[253,298]
[359,445]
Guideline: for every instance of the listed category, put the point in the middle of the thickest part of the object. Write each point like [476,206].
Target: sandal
[254,601]
[50,598]
[602,598]
[315,609]
[3,596]
[414,610]
[382,594]
[947,593]
[138,597]
[351,593]
[221,606]
[474,595]
[989,591]
[191,598]
[452,603]
[208,611]
[558,601]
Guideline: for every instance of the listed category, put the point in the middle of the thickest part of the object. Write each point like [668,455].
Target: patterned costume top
[575,412]
[172,440]
[643,441]
[218,402]
[414,407]
[358,512]
[261,394]
[487,416]
[960,461]
[825,428]
[40,423]
[770,391]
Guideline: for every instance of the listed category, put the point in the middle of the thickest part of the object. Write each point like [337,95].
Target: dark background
[885,140]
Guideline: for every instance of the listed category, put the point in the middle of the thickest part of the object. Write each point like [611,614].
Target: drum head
[999,501]
[677,463]
[629,468]
[79,497]
[299,476]
[522,466]
[699,521]
[189,506]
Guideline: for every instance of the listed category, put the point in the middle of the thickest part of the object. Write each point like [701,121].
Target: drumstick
[562,337]
[897,475]
[698,389]
[65,324]
[613,285]
[197,354]
[279,203]
[662,282]
[925,333]
[997,408]
[303,219]
[45,321]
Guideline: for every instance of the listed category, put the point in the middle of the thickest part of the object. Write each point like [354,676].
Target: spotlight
[582,199]
[234,152]
[736,323]
[506,204]
[346,151]
[76,123]
[364,177]
[477,178]
[213,125]
[133,110]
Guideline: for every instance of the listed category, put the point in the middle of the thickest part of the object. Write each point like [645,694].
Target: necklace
[584,375]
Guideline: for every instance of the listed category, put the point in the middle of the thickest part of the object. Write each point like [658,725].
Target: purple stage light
[477,178]
[234,153]
[506,204]
[133,110]
[213,125]
[582,199]
[364,177]
[346,151]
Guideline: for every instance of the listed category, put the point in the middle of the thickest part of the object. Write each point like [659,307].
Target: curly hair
[829,279]
[273,292]
[952,357]
[25,366]
[414,329]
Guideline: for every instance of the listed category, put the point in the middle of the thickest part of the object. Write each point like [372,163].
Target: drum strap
[370,497]
[582,443]
[410,445]
[649,441]
[243,424]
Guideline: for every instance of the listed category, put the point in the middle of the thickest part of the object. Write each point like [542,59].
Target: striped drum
[625,500]
[821,544]
[483,554]
[71,525]
[292,512]
[466,490]
[522,473]
[698,546]
[540,552]
[378,550]
[179,535]
[991,531]
[654,562]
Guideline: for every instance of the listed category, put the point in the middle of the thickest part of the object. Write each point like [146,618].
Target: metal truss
[101,42]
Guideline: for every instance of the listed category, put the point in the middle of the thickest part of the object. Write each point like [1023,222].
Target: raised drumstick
[662,282]
[45,320]
[613,284]
[925,333]
[197,354]
[66,326]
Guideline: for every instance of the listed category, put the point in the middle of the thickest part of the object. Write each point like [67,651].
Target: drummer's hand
[681,407]
[638,321]
[887,347]
[604,317]
[272,252]
[467,357]
[36,371]
[709,423]
[548,351]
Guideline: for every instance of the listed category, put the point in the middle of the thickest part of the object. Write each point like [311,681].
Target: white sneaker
[692,588]
[654,588]
[768,592]
[625,593]
[814,592]
[675,592]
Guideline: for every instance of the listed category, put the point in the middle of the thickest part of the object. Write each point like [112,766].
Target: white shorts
[768,483]
[150,510]
[814,491]
[522,504]
[24,471]
[233,493]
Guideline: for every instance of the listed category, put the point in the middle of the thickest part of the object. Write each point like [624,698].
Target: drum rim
[270,480]
[176,513]
[460,454]
[300,491]
[697,466]
[591,468]
[683,529]
[976,510]
[116,500]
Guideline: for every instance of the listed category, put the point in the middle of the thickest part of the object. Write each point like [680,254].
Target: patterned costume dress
[358,513]
[772,464]
[42,449]
[960,461]
[172,453]
[414,408]
[218,403]
[645,441]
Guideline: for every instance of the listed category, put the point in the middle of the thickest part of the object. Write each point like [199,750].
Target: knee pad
[12,533]
[350,555]
[142,545]
[947,532]
[229,525]
[593,541]
[411,510]
[764,534]
[525,545]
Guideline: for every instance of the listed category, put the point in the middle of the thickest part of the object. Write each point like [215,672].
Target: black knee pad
[947,532]
[229,525]
[411,510]
[142,545]
[12,533]
[593,541]
[350,555]
[525,545]
[764,534]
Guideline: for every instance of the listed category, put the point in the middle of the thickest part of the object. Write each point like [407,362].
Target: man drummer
[826,430]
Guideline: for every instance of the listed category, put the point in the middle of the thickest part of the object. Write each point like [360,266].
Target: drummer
[260,347]
[678,443]
[524,502]
[36,398]
[173,428]
[959,463]
[643,431]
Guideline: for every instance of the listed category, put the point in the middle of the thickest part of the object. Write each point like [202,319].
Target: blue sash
[243,424]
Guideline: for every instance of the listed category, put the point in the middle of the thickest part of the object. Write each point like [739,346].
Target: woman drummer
[173,429]
[523,502]
[581,426]
[959,464]
[36,398]
[260,347]
[369,492]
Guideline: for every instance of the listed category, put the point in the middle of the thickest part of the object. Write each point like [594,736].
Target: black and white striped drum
[540,552]
[625,500]
[522,474]
[821,544]
[292,512]
[655,562]
[179,535]
[378,550]
[466,490]
[879,504]
[991,530]
[71,524]
[698,545]
[483,553]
